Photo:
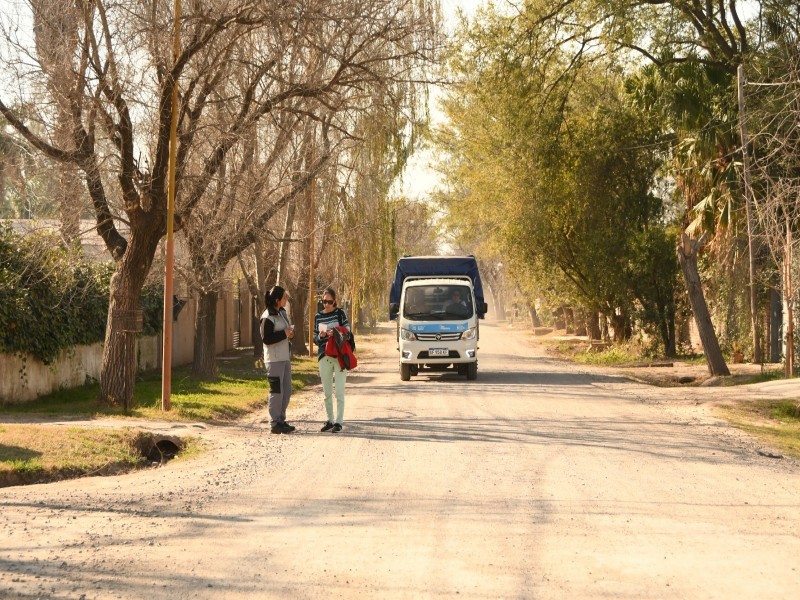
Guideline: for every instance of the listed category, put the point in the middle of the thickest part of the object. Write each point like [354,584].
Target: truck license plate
[438,352]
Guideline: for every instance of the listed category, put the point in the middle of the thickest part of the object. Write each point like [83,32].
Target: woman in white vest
[276,333]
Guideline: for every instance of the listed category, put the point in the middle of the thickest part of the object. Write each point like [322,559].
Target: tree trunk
[56,38]
[668,337]
[298,302]
[580,323]
[356,286]
[534,316]
[622,327]
[499,303]
[255,330]
[118,370]
[775,320]
[283,249]
[569,321]
[204,365]
[593,326]
[258,299]
[671,342]
[605,334]
[69,205]
[666,326]
[264,281]
[687,256]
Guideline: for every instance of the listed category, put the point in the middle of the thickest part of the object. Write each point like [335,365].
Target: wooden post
[166,362]
[787,292]
[353,298]
[748,201]
[311,286]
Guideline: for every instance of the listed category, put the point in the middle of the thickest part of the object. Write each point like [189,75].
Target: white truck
[437,302]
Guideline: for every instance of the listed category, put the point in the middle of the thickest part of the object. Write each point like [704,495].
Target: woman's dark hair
[272,297]
[330,291]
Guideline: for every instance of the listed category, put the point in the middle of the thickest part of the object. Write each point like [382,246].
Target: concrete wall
[26,378]
[183,335]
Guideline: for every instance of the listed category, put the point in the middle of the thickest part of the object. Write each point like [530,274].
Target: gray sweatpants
[279,376]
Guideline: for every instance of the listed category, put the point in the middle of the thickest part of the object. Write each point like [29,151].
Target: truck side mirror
[394,308]
[483,308]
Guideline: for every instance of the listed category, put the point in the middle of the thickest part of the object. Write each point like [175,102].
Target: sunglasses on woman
[327,301]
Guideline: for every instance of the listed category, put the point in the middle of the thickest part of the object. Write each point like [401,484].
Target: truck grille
[442,337]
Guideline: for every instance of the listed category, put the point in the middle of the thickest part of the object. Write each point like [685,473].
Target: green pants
[330,372]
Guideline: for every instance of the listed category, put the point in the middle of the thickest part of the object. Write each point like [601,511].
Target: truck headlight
[407,335]
[469,334]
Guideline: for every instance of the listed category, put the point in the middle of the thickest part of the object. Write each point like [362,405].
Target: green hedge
[51,298]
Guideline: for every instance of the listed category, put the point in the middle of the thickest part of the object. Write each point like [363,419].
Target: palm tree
[689,99]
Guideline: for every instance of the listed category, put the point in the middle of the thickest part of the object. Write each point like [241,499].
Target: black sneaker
[282,428]
[327,427]
[336,428]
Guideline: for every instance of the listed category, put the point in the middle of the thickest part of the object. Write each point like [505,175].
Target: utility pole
[311,230]
[169,259]
[749,200]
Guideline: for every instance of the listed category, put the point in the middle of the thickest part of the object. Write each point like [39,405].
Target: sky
[449,8]
[419,178]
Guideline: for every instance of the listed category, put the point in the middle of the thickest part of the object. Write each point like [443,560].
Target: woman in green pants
[330,372]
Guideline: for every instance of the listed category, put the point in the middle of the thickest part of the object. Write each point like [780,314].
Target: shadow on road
[519,383]
[660,438]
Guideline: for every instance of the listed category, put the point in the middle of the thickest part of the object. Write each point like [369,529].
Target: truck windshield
[437,303]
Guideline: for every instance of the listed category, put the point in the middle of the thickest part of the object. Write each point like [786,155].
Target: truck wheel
[405,371]
[472,371]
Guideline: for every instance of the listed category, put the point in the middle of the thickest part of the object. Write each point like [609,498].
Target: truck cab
[437,307]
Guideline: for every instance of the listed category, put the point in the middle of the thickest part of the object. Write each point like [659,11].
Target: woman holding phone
[276,333]
[330,372]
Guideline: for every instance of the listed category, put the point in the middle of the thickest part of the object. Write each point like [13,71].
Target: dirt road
[538,480]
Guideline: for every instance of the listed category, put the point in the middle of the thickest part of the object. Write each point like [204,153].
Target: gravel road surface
[538,480]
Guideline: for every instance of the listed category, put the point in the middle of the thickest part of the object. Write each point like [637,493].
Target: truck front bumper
[437,353]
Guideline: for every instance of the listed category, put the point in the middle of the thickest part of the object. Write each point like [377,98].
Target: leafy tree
[692,102]
[558,169]
[665,33]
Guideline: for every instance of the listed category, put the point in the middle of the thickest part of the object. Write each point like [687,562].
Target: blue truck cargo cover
[435,266]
